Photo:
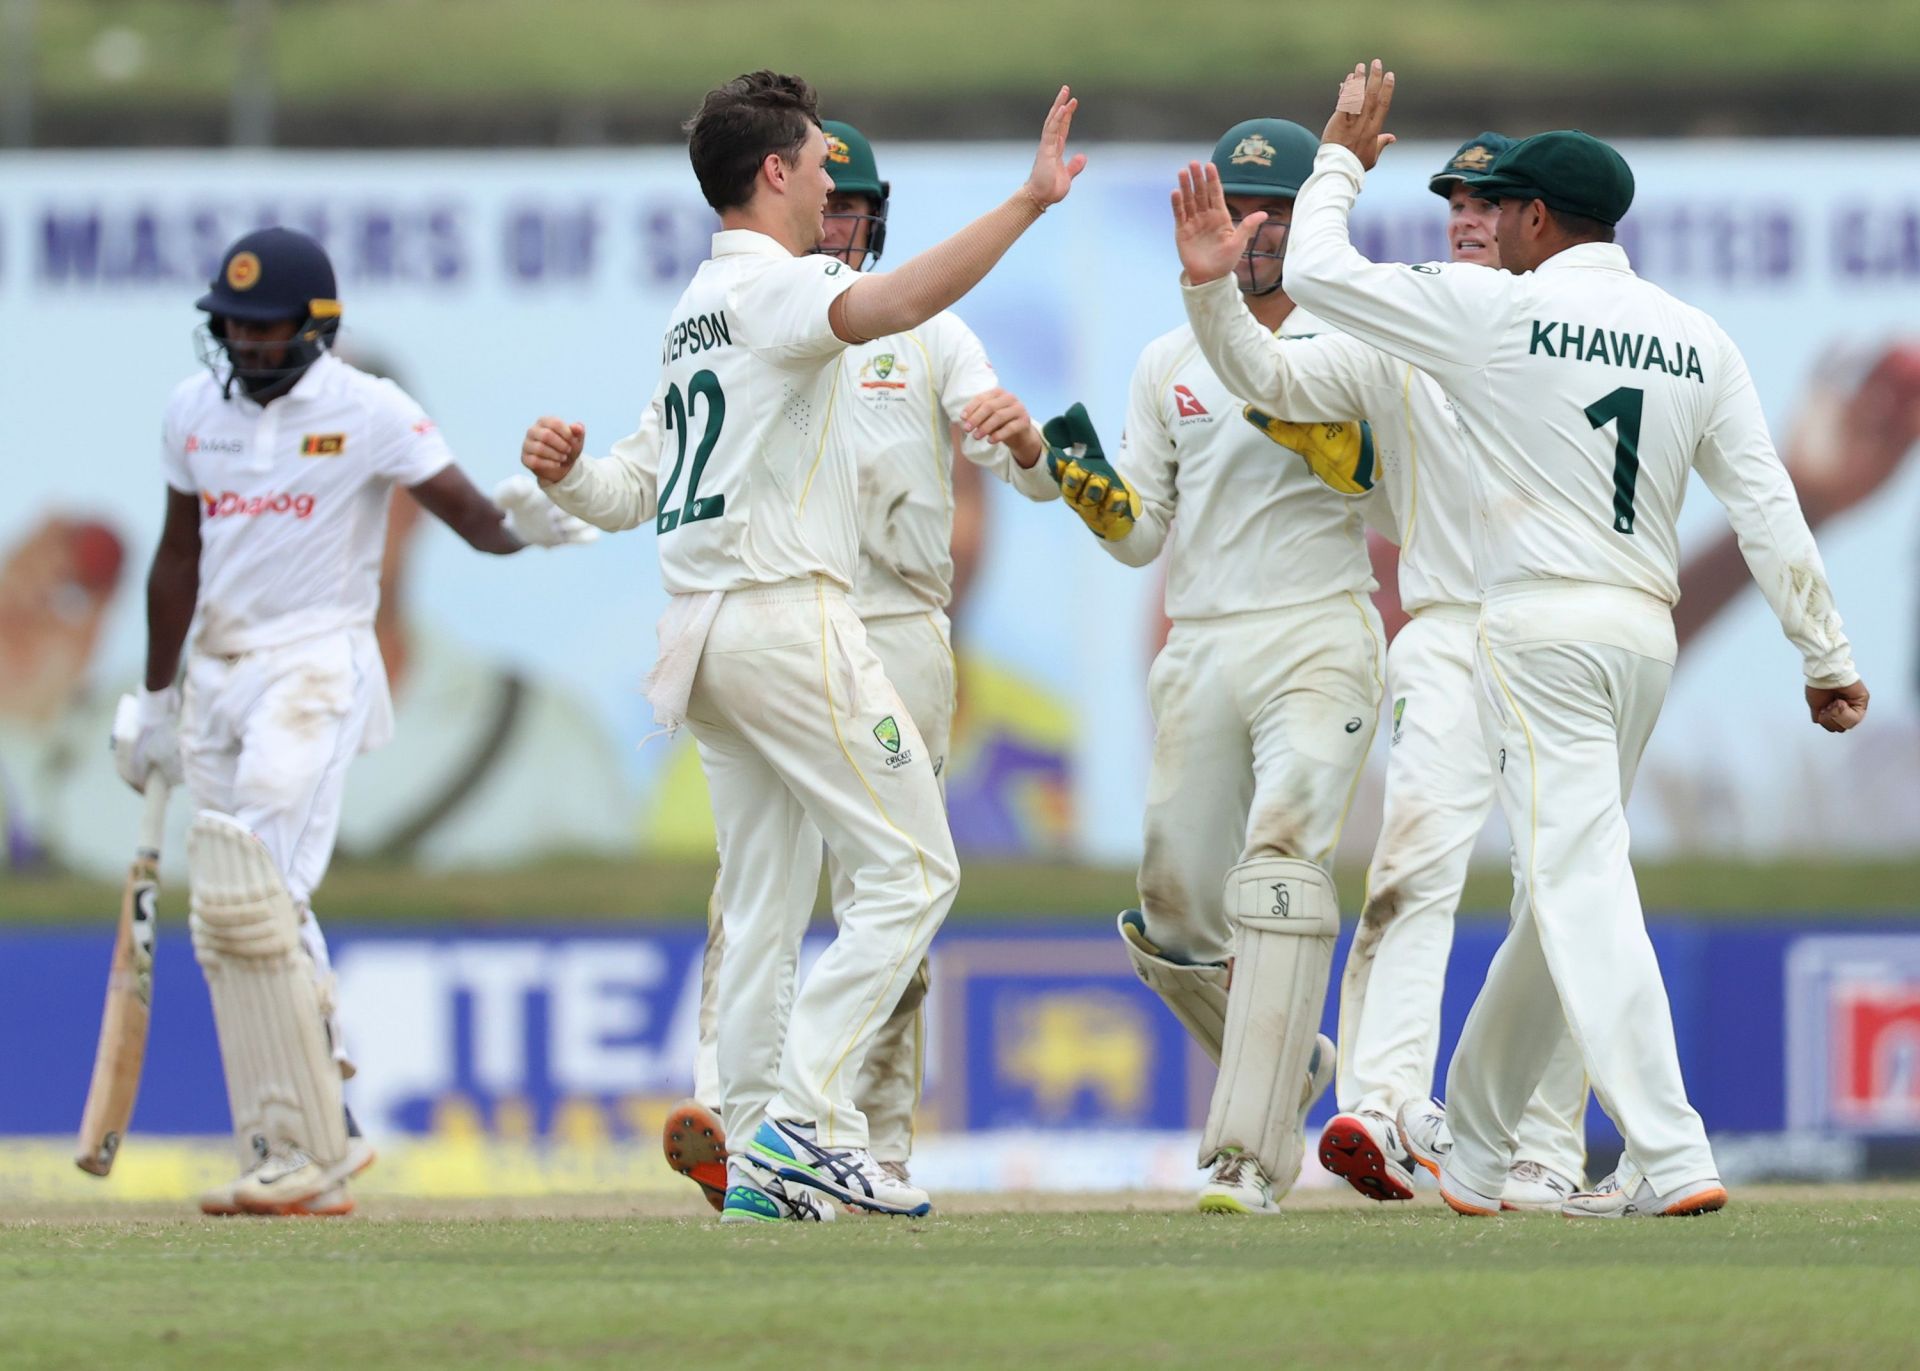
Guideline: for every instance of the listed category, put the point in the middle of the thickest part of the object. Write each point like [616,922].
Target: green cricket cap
[1571,171]
[1469,159]
[1271,157]
[850,161]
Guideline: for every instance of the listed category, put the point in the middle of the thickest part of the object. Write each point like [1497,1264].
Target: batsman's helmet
[269,275]
[851,164]
[1271,158]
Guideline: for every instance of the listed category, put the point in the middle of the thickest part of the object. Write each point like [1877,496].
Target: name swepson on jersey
[232,502]
[1637,351]
[702,333]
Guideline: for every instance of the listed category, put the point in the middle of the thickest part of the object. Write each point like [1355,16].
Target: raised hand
[1360,114]
[1053,171]
[1840,709]
[1203,228]
[551,448]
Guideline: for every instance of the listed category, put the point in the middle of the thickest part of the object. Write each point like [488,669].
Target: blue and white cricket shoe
[848,1174]
[756,1196]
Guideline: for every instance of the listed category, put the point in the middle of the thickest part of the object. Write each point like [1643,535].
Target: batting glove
[1341,455]
[146,736]
[1097,493]
[535,519]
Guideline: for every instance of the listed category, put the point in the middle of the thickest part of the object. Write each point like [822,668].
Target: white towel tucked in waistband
[683,636]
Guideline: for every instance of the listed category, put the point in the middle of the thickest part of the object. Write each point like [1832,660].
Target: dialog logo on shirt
[231,503]
[323,445]
[1189,405]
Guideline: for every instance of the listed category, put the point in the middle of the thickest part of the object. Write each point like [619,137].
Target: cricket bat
[123,1024]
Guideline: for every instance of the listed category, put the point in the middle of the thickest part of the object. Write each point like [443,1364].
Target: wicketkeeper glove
[1097,493]
[1341,455]
[535,519]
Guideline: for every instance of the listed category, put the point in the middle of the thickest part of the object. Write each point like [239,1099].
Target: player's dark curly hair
[738,124]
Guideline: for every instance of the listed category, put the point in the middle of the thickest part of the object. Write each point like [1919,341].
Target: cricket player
[900,398]
[279,462]
[1440,784]
[1264,698]
[1588,397]
[801,734]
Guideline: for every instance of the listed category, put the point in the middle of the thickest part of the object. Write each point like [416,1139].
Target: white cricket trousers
[1440,789]
[267,737]
[802,736]
[1571,680]
[1262,722]
[916,652]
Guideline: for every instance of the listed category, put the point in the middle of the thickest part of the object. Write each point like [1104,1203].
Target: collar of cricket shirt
[732,242]
[1592,256]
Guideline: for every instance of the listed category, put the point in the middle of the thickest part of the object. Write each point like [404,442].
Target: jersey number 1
[704,384]
[1623,407]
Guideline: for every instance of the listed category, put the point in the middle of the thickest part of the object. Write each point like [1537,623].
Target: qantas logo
[230,502]
[1188,404]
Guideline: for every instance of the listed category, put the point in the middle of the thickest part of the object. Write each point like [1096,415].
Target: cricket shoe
[1363,1149]
[847,1174]
[290,1180]
[757,1196]
[1424,1133]
[1537,1187]
[696,1147]
[332,1204]
[1615,1198]
[1237,1184]
[222,1201]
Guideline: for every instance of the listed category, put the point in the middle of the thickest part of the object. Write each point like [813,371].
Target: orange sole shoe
[1706,1202]
[1458,1205]
[1348,1150]
[315,1206]
[696,1147]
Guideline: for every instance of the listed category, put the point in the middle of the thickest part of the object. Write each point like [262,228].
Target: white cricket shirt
[1420,459]
[899,397]
[1587,395]
[737,461]
[1251,527]
[293,499]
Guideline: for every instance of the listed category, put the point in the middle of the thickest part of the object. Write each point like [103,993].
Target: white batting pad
[1285,919]
[1197,994]
[282,1082]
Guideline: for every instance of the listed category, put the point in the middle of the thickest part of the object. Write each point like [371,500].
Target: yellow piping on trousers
[826,686]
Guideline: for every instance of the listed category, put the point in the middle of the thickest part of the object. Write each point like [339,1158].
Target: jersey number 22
[704,385]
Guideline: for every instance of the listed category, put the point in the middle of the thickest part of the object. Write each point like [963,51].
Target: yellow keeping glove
[1341,455]
[1097,493]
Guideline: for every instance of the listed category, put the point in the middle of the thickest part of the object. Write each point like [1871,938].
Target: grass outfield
[1785,1279]
[494,49]
[598,888]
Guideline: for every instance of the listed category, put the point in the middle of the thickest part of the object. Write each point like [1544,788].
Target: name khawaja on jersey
[1614,347]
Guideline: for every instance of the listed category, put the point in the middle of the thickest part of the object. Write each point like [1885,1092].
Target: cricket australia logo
[883,376]
[888,733]
[1476,158]
[1253,150]
[1399,716]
